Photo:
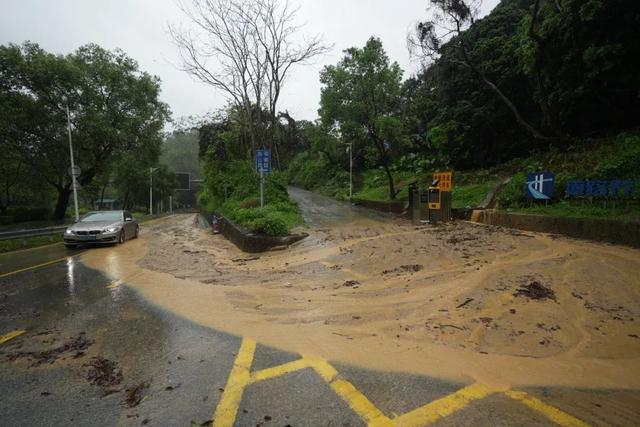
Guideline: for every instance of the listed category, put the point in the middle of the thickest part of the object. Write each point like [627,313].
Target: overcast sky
[139,27]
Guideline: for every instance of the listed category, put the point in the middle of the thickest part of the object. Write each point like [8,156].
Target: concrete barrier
[601,230]
[251,242]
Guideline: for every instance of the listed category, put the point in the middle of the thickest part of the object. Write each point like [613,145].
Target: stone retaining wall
[250,242]
[602,230]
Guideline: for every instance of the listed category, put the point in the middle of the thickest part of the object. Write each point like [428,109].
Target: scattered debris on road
[134,394]
[404,269]
[78,345]
[103,372]
[536,291]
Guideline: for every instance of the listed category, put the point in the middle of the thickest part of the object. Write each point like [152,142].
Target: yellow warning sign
[445,181]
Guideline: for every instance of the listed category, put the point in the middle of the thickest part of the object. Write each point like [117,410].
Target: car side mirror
[128,219]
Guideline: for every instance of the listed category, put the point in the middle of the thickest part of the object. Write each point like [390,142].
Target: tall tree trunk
[104,187]
[392,188]
[63,201]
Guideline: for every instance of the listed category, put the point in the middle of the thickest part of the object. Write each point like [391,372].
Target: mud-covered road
[494,325]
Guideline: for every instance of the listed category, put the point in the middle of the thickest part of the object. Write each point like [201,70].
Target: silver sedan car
[102,227]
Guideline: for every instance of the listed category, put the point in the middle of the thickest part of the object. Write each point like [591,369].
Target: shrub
[28,213]
[512,194]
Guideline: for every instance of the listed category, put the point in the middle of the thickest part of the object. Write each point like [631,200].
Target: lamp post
[350,150]
[74,171]
[151,190]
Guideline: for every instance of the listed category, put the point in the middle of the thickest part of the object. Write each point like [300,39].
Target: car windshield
[102,216]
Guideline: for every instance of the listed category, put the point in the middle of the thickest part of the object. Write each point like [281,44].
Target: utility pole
[73,167]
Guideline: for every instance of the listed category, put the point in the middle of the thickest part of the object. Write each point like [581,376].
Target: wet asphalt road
[74,317]
[321,211]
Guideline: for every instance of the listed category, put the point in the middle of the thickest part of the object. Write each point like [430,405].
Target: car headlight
[111,229]
[68,231]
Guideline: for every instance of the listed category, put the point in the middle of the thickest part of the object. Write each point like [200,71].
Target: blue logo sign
[263,161]
[539,185]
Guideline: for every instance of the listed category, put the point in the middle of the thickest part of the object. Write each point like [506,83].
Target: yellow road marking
[360,404]
[554,414]
[33,267]
[277,371]
[322,367]
[239,377]
[351,395]
[445,406]
[114,284]
[11,335]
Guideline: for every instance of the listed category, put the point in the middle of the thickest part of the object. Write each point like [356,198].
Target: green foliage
[608,158]
[275,219]
[512,193]
[231,188]
[114,109]
[362,96]
[28,213]
[621,159]
[571,77]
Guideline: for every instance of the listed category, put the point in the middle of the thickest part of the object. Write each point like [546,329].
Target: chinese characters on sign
[263,161]
[599,188]
[539,185]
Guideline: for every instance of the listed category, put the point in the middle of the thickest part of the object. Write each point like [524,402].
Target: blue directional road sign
[539,185]
[263,161]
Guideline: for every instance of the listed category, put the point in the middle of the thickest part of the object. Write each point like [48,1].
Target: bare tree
[450,19]
[246,49]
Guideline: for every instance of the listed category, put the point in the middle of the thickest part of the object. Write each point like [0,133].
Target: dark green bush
[512,194]
[28,213]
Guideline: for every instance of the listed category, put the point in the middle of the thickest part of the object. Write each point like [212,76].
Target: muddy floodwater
[456,301]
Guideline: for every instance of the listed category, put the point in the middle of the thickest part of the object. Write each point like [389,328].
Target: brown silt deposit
[456,301]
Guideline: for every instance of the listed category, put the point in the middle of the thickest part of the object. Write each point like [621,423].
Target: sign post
[263,166]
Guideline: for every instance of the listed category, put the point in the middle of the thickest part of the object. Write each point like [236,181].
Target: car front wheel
[121,238]
[135,236]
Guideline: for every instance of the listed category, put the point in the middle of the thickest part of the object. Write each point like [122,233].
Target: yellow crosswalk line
[239,377]
[554,414]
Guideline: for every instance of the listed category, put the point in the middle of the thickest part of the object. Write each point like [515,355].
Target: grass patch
[470,194]
[585,209]
[29,242]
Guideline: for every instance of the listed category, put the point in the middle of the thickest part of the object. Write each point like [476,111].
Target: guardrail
[33,232]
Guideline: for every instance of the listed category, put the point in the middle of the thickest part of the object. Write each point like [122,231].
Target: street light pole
[350,149]
[151,190]
[73,167]
[350,170]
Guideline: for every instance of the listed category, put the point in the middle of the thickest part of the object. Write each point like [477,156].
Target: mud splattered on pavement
[74,347]
[135,394]
[103,372]
[458,300]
